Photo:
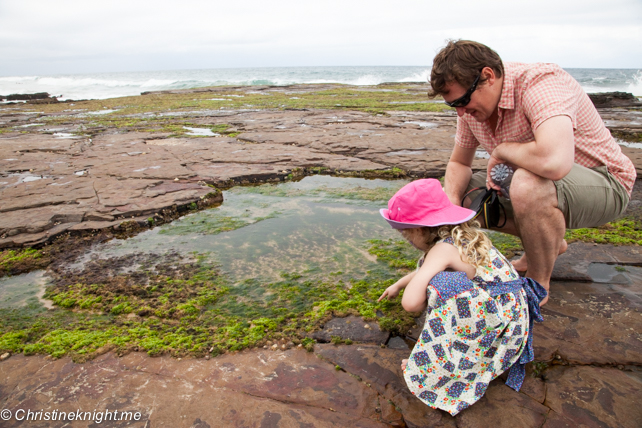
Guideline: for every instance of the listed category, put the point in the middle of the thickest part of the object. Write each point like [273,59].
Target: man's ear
[488,76]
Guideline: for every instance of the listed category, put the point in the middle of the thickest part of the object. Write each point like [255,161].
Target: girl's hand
[391,292]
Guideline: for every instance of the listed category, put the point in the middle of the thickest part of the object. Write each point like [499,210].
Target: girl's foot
[521,264]
[403,364]
[543,302]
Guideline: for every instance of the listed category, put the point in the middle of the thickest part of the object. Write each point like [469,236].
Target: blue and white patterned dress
[471,335]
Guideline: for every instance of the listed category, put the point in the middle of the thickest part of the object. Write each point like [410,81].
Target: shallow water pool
[317,226]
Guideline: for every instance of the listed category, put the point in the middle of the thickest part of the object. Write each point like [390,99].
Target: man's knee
[529,191]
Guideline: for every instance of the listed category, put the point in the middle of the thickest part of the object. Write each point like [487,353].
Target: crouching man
[569,171]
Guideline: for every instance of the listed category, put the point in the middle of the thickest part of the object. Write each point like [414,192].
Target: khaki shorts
[588,197]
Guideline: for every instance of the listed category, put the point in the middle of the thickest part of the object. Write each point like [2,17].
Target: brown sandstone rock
[593,397]
[589,323]
[614,99]
[574,264]
[381,369]
[501,406]
[353,328]
[253,388]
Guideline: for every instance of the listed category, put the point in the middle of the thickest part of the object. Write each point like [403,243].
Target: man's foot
[521,264]
[403,364]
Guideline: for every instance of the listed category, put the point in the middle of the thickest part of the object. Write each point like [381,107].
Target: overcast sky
[39,37]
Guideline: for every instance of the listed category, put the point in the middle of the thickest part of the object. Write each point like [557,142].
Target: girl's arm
[440,257]
[393,291]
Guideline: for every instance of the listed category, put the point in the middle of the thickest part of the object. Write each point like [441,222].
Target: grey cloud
[41,36]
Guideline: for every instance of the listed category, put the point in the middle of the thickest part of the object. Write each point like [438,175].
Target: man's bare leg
[511,228]
[541,224]
[521,264]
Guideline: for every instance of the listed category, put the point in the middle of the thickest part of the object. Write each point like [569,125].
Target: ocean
[111,85]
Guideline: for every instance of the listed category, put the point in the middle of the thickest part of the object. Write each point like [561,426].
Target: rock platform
[588,373]
[54,185]
[54,182]
[588,369]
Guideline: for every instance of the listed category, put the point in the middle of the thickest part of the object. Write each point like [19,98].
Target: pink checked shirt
[533,93]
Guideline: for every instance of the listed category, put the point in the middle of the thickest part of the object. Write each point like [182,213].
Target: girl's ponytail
[473,244]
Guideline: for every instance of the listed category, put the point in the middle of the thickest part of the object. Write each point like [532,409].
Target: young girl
[480,313]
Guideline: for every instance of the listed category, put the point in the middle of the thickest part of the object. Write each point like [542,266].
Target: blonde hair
[473,244]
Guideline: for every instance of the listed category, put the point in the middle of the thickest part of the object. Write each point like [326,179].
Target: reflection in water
[619,278]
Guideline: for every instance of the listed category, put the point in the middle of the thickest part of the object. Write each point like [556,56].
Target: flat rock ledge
[614,99]
[53,182]
[588,373]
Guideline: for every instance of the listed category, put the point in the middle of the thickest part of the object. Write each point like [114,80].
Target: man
[569,172]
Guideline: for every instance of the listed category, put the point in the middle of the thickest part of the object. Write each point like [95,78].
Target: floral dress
[474,331]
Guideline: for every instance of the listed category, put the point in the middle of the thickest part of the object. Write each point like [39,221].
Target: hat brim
[450,215]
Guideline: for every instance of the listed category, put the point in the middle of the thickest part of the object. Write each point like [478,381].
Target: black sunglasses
[464,99]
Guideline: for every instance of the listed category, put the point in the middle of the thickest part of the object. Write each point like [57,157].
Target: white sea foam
[13,79]
[157,82]
[635,87]
[628,144]
[368,79]
[422,76]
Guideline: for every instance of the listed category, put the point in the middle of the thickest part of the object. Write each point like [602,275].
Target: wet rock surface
[351,328]
[269,389]
[614,99]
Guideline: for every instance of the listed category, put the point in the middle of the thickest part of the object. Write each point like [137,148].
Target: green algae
[192,316]
[397,253]
[210,227]
[161,112]
[258,284]
[539,368]
[14,262]
[388,174]
[629,136]
[378,194]
[506,244]
[625,231]
[285,259]
[175,127]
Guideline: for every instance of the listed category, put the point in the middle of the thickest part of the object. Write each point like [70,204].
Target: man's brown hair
[461,61]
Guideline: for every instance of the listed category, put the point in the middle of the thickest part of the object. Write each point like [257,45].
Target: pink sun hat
[423,203]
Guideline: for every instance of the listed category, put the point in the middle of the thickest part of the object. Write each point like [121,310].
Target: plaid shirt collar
[507,99]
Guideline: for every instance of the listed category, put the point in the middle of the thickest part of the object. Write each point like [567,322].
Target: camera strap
[488,206]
